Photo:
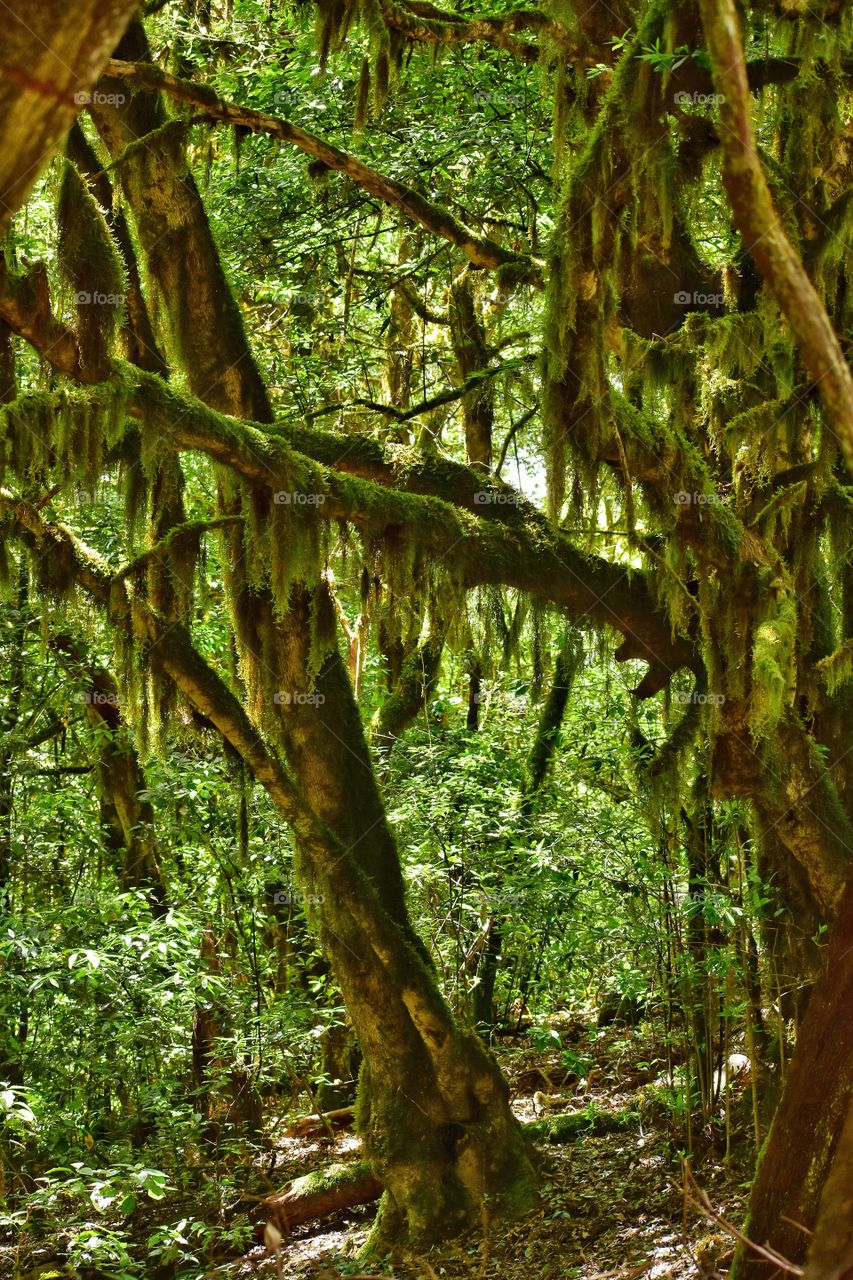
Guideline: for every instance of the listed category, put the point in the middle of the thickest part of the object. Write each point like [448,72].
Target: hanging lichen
[773,665]
[93,266]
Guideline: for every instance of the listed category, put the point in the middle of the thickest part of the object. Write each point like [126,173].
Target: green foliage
[566,858]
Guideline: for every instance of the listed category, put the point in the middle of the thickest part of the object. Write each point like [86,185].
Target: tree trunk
[432,1107]
[121,780]
[806,1132]
[319,1194]
[831,1250]
[52,55]
[472,355]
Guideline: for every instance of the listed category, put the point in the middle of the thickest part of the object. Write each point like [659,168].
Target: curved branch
[763,234]
[443,397]
[480,250]
[426,24]
[519,550]
[487,531]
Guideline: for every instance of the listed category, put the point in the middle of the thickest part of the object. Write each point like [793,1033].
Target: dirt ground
[613,1207]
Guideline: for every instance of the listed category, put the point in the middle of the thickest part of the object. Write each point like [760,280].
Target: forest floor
[613,1207]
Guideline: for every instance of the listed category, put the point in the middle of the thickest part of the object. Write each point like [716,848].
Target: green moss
[93,266]
[773,659]
[592,1122]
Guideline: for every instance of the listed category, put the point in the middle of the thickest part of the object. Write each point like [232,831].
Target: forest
[426,640]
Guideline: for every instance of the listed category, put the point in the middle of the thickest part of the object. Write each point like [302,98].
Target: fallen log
[324,1122]
[317,1195]
[579,1124]
[345,1186]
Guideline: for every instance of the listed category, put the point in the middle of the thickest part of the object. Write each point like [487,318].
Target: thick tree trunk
[472,355]
[204,322]
[805,1138]
[831,1250]
[52,54]
[432,1107]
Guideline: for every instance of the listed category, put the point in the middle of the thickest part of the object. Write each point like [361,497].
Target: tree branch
[443,397]
[480,250]
[426,24]
[52,54]
[488,531]
[762,232]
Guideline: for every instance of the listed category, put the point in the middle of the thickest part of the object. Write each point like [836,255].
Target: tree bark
[121,779]
[318,1195]
[433,1109]
[52,55]
[472,356]
[763,234]
[799,1156]
[830,1254]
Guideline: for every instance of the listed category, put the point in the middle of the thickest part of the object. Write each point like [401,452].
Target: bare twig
[699,1197]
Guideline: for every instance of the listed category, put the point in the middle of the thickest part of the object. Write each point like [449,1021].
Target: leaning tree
[682,269]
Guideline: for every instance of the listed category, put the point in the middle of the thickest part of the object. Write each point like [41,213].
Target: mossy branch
[189,529]
[480,250]
[762,231]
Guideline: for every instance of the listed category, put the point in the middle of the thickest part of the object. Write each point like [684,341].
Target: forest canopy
[426,441]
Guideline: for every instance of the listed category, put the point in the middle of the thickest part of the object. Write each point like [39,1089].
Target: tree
[696,406]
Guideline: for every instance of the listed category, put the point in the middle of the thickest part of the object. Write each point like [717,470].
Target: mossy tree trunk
[807,1129]
[52,55]
[125,807]
[472,353]
[433,1108]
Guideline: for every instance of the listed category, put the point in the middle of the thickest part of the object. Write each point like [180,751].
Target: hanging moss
[773,663]
[836,670]
[93,266]
[362,96]
[66,431]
